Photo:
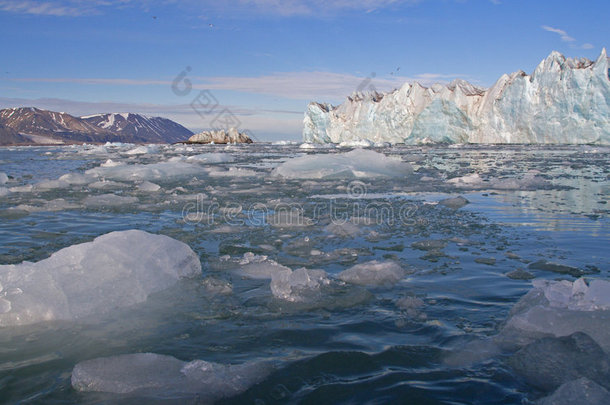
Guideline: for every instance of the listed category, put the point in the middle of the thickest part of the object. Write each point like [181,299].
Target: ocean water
[351,344]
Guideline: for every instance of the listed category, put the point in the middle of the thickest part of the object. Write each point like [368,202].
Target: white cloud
[567,38]
[564,35]
[75,8]
[319,7]
[321,86]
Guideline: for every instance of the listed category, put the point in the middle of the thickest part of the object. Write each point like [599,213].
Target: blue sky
[262,61]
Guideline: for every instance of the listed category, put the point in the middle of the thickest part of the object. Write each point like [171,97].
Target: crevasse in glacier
[565,100]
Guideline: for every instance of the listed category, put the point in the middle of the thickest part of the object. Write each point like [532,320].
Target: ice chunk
[143,150]
[111,163]
[470,181]
[560,308]
[115,270]
[46,185]
[106,185]
[373,273]
[454,203]
[299,285]
[153,171]
[580,391]
[550,362]
[148,187]
[232,172]
[358,163]
[108,200]
[212,158]
[3,178]
[429,244]
[151,374]
[4,191]
[263,269]
[76,179]
[528,182]
[58,204]
[576,295]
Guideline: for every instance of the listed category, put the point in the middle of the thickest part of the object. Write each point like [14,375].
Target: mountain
[140,128]
[8,136]
[564,100]
[28,125]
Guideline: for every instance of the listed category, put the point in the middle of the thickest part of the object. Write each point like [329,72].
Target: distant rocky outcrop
[28,125]
[220,136]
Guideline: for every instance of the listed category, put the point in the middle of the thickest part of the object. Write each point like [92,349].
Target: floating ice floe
[454,202]
[153,171]
[108,200]
[530,181]
[373,273]
[298,285]
[143,150]
[211,158]
[150,374]
[3,178]
[260,267]
[115,270]
[148,187]
[107,185]
[560,308]
[358,163]
[58,204]
[4,191]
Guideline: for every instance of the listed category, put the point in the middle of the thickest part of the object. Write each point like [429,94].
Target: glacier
[564,101]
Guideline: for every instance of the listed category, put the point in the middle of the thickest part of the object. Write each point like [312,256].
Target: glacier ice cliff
[565,100]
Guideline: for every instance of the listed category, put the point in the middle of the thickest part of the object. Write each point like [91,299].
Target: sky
[256,64]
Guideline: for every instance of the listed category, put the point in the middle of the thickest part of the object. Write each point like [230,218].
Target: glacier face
[564,100]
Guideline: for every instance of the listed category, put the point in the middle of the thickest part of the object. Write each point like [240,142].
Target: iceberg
[115,270]
[565,100]
[150,374]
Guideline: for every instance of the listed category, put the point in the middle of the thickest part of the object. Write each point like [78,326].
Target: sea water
[349,276]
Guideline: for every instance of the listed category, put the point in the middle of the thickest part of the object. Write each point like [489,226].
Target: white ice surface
[151,374]
[560,308]
[299,285]
[373,273]
[358,163]
[115,270]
